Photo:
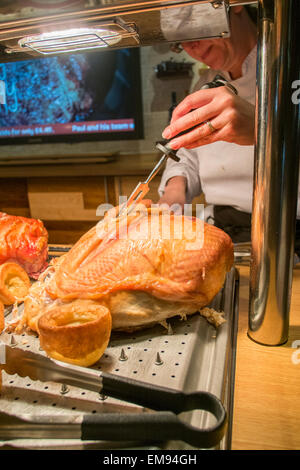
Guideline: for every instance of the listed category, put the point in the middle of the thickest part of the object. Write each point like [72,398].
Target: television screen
[83,96]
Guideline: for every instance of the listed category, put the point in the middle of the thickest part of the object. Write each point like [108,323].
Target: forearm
[174,191]
[182,176]
[176,183]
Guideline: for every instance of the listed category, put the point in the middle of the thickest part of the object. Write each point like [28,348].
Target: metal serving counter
[189,355]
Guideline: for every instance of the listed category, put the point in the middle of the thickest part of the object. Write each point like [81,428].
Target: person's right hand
[212,115]
[174,193]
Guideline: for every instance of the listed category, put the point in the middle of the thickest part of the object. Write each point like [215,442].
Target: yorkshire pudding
[77,332]
[14,283]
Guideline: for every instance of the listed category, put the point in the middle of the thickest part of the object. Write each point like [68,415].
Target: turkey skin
[144,267]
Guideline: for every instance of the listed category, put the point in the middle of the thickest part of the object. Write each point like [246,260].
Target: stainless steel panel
[139,23]
[276,172]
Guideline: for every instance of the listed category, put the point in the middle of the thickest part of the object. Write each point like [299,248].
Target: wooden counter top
[267,384]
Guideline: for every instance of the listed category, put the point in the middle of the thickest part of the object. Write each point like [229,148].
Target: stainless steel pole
[276,171]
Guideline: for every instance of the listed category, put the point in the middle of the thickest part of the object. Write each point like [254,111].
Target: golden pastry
[14,283]
[77,332]
[2,323]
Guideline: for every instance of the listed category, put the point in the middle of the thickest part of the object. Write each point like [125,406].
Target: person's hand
[174,193]
[231,117]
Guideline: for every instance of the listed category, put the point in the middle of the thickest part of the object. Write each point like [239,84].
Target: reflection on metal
[276,172]
[150,22]
[71,40]
[59,41]
[194,21]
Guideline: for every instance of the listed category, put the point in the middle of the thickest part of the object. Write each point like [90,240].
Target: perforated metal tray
[188,355]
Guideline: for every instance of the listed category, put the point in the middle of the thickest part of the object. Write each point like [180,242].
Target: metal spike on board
[158,360]
[64,389]
[13,341]
[123,356]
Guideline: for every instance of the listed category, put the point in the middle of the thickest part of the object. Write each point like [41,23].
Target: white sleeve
[188,166]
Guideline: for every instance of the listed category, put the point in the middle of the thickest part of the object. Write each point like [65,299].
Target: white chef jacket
[223,171]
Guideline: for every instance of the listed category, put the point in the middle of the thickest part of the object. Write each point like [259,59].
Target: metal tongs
[143,426]
[142,188]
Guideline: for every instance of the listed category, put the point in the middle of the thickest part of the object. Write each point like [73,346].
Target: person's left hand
[231,117]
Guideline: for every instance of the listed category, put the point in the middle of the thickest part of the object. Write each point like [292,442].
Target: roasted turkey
[126,273]
[25,242]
